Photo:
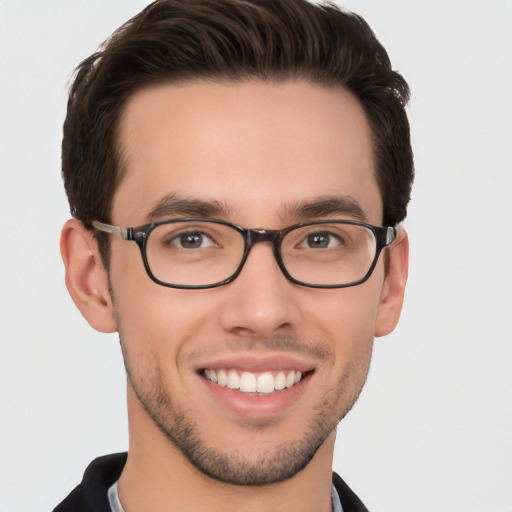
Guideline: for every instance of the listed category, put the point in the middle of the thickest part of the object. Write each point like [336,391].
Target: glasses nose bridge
[255,236]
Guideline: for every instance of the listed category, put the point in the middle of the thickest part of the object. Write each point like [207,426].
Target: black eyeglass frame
[384,236]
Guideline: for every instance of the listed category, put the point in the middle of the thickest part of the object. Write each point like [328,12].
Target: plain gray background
[432,431]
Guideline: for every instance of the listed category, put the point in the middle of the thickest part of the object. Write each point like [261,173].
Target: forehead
[255,147]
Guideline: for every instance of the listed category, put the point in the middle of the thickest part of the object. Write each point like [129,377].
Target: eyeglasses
[196,253]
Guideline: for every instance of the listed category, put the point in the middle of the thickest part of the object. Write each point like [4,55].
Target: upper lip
[252,363]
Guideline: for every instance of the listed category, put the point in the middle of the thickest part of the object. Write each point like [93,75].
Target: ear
[86,278]
[392,296]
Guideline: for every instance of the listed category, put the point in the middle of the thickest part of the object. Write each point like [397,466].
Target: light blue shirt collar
[115,504]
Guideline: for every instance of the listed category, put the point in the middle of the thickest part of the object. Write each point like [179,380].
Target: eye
[192,240]
[321,240]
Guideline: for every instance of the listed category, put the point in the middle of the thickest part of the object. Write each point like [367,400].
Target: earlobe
[393,290]
[86,278]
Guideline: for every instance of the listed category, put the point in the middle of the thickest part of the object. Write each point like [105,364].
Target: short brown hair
[232,40]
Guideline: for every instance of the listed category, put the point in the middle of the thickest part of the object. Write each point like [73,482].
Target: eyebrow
[173,205]
[327,206]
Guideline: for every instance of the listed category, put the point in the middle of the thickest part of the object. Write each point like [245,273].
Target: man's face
[252,153]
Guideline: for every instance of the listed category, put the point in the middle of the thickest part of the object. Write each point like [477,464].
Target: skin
[257,149]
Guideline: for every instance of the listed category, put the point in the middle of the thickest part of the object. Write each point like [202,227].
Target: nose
[260,302]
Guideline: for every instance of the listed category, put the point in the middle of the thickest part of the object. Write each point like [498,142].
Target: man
[236,172]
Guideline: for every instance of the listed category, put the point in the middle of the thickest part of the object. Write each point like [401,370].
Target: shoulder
[349,501]
[91,493]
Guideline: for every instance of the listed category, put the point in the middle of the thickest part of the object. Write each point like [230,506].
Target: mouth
[259,383]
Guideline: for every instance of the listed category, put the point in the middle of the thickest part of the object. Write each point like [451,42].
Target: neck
[158,477]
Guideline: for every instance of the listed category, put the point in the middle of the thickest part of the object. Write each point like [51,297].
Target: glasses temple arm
[390,235]
[124,233]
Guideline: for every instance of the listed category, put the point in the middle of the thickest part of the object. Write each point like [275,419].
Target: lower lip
[257,406]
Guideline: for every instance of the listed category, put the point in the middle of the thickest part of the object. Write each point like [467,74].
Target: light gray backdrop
[432,431]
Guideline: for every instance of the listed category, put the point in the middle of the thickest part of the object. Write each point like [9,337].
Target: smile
[248,382]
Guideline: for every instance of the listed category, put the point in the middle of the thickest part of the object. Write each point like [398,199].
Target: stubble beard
[232,466]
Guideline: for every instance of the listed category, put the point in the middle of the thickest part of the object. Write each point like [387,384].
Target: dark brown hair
[231,40]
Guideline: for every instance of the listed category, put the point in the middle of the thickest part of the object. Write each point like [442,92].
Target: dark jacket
[91,494]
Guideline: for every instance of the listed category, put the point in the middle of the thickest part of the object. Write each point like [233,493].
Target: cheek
[157,315]
[156,330]
[348,318]
[155,323]
[143,306]
[350,313]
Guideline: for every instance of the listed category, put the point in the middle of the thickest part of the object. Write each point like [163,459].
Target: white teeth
[265,383]
[248,382]
[280,381]
[290,379]
[222,378]
[233,380]
[210,375]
